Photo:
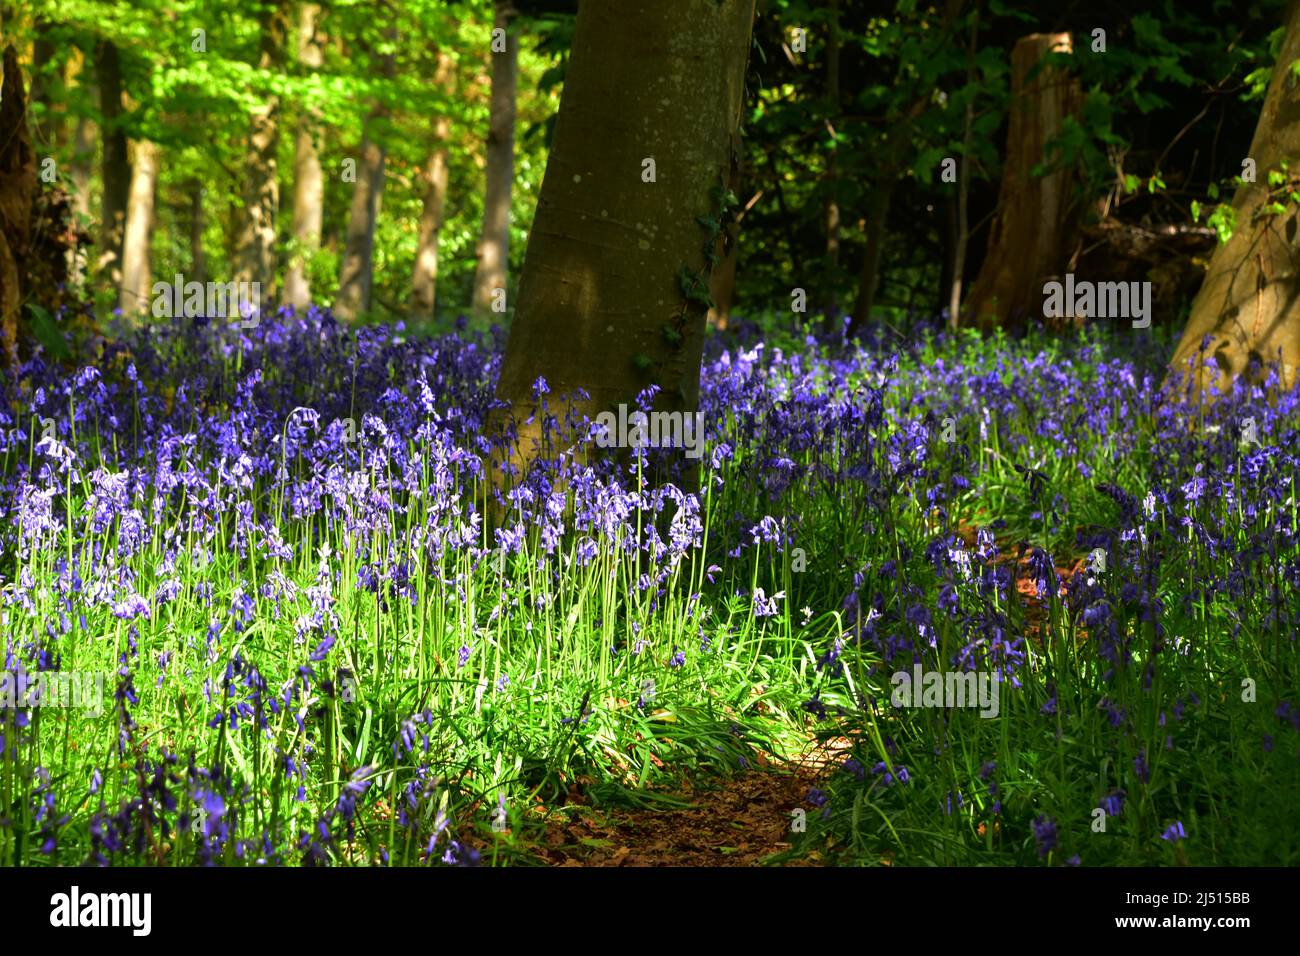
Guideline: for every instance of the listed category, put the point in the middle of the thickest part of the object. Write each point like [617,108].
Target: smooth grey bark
[308,179]
[424,277]
[493,253]
[256,244]
[137,275]
[601,285]
[115,170]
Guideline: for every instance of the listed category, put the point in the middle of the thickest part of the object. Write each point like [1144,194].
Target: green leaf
[1223,221]
[48,333]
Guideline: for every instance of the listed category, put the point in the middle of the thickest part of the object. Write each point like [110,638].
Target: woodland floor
[738,820]
[741,820]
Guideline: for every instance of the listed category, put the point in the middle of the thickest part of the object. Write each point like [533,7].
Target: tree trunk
[18,188]
[722,279]
[198,222]
[616,265]
[1249,304]
[137,273]
[424,278]
[869,277]
[44,81]
[308,180]
[357,271]
[115,169]
[494,240]
[897,142]
[831,208]
[962,232]
[356,274]
[256,246]
[81,167]
[1027,242]
[35,234]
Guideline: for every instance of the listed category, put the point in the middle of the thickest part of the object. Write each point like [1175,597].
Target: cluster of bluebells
[1207,533]
[198,490]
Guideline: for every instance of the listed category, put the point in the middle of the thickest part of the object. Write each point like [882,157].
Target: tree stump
[1035,214]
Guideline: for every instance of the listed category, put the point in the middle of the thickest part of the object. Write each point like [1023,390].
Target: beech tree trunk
[137,273]
[722,280]
[115,170]
[601,304]
[81,166]
[492,271]
[877,217]
[198,222]
[1033,224]
[961,230]
[1249,304]
[890,167]
[256,246]
[357,272]
[356,275]
[17,192]
[45,131]
[424,277]
[831,208]
[308,180]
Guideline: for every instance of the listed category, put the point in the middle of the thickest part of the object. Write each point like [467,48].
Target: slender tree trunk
[897,143]
[1247,312]
[424,278]
[45,129]
[869,277]
[81,167]
[492,272]
[963,184]
[877,217]
[356,275]
[357,272]
[308,180]
[722,279]
[137,273]
[831,207]
[198,222]
[943,292]
[256,246]
[616,265]
[1033,223]
[115,169]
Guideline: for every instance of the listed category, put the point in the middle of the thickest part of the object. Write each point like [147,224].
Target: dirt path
[732,821]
